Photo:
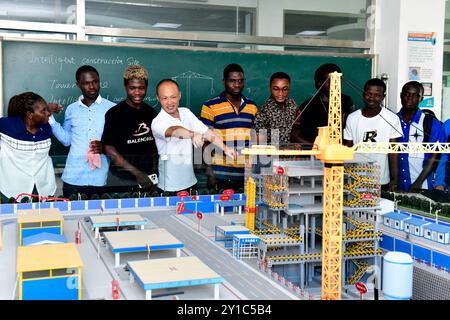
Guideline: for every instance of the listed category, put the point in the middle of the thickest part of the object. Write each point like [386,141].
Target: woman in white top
[25,165]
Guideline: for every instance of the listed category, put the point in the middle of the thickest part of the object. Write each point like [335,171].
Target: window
[441,237]
[36,274]
[317,199]
[170,16]
[50,11]
[64,272]
[407,227]
[417,230]
[334,22]
[31,225]
[51,224]
[397,224]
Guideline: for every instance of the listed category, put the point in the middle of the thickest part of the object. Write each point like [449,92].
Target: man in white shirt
[375,124]
[176,130]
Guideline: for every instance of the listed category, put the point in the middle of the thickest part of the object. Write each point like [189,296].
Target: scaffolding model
[245,246]
[290,234]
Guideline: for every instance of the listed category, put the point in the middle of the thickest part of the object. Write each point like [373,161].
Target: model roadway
[244,278]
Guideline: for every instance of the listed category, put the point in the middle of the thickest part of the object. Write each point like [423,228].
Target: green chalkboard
[48,68]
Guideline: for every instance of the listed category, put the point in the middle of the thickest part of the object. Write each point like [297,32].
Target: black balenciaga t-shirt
[129,130]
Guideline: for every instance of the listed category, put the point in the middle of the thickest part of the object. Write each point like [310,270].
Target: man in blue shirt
[442,181]
[416,168]
[82,131]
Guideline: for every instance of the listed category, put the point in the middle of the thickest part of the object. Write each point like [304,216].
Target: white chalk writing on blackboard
[58,84]
[64,101]
[189,76]
[52,59]
[97,60]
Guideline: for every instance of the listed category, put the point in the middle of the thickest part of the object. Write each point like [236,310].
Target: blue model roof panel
[437,228]
[396,216]
[43,237]
[416,222]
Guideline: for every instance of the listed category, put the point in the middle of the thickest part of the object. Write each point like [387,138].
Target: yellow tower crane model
[328,148]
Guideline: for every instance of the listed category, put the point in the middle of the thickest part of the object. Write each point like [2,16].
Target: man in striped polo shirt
[231,115]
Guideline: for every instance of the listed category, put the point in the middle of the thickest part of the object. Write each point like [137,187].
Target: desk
[173,273]
[137,240]
[49,272]
[35,221]
[109,220]
[226,233]
[220,205]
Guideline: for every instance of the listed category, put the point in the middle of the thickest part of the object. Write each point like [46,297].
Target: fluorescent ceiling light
[166,25]
[309,33]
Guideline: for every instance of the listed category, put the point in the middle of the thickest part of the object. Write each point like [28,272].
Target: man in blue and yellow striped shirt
[231,116]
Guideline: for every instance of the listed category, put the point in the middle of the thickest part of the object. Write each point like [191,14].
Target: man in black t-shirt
[128,139]
[314,112]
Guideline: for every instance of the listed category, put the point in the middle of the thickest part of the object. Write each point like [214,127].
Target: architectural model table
[173,273]
[35,221]
[137,241]
[220,205]
[112,220]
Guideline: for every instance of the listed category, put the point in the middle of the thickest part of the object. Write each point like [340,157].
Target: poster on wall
[421,58]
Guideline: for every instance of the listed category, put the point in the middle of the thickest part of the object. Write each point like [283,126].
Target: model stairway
[293,258]
[268,229]
[361,249]
[317,257]
[279,237]
[355,234]
[362,231]
[362,268]
[365,181]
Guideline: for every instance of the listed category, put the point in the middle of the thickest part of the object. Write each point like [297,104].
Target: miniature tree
[95,196]
[407,202]
[416,203]
[155,194]
[135,195]
[445,211]
[106,196]
[425,205]
[73,197]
